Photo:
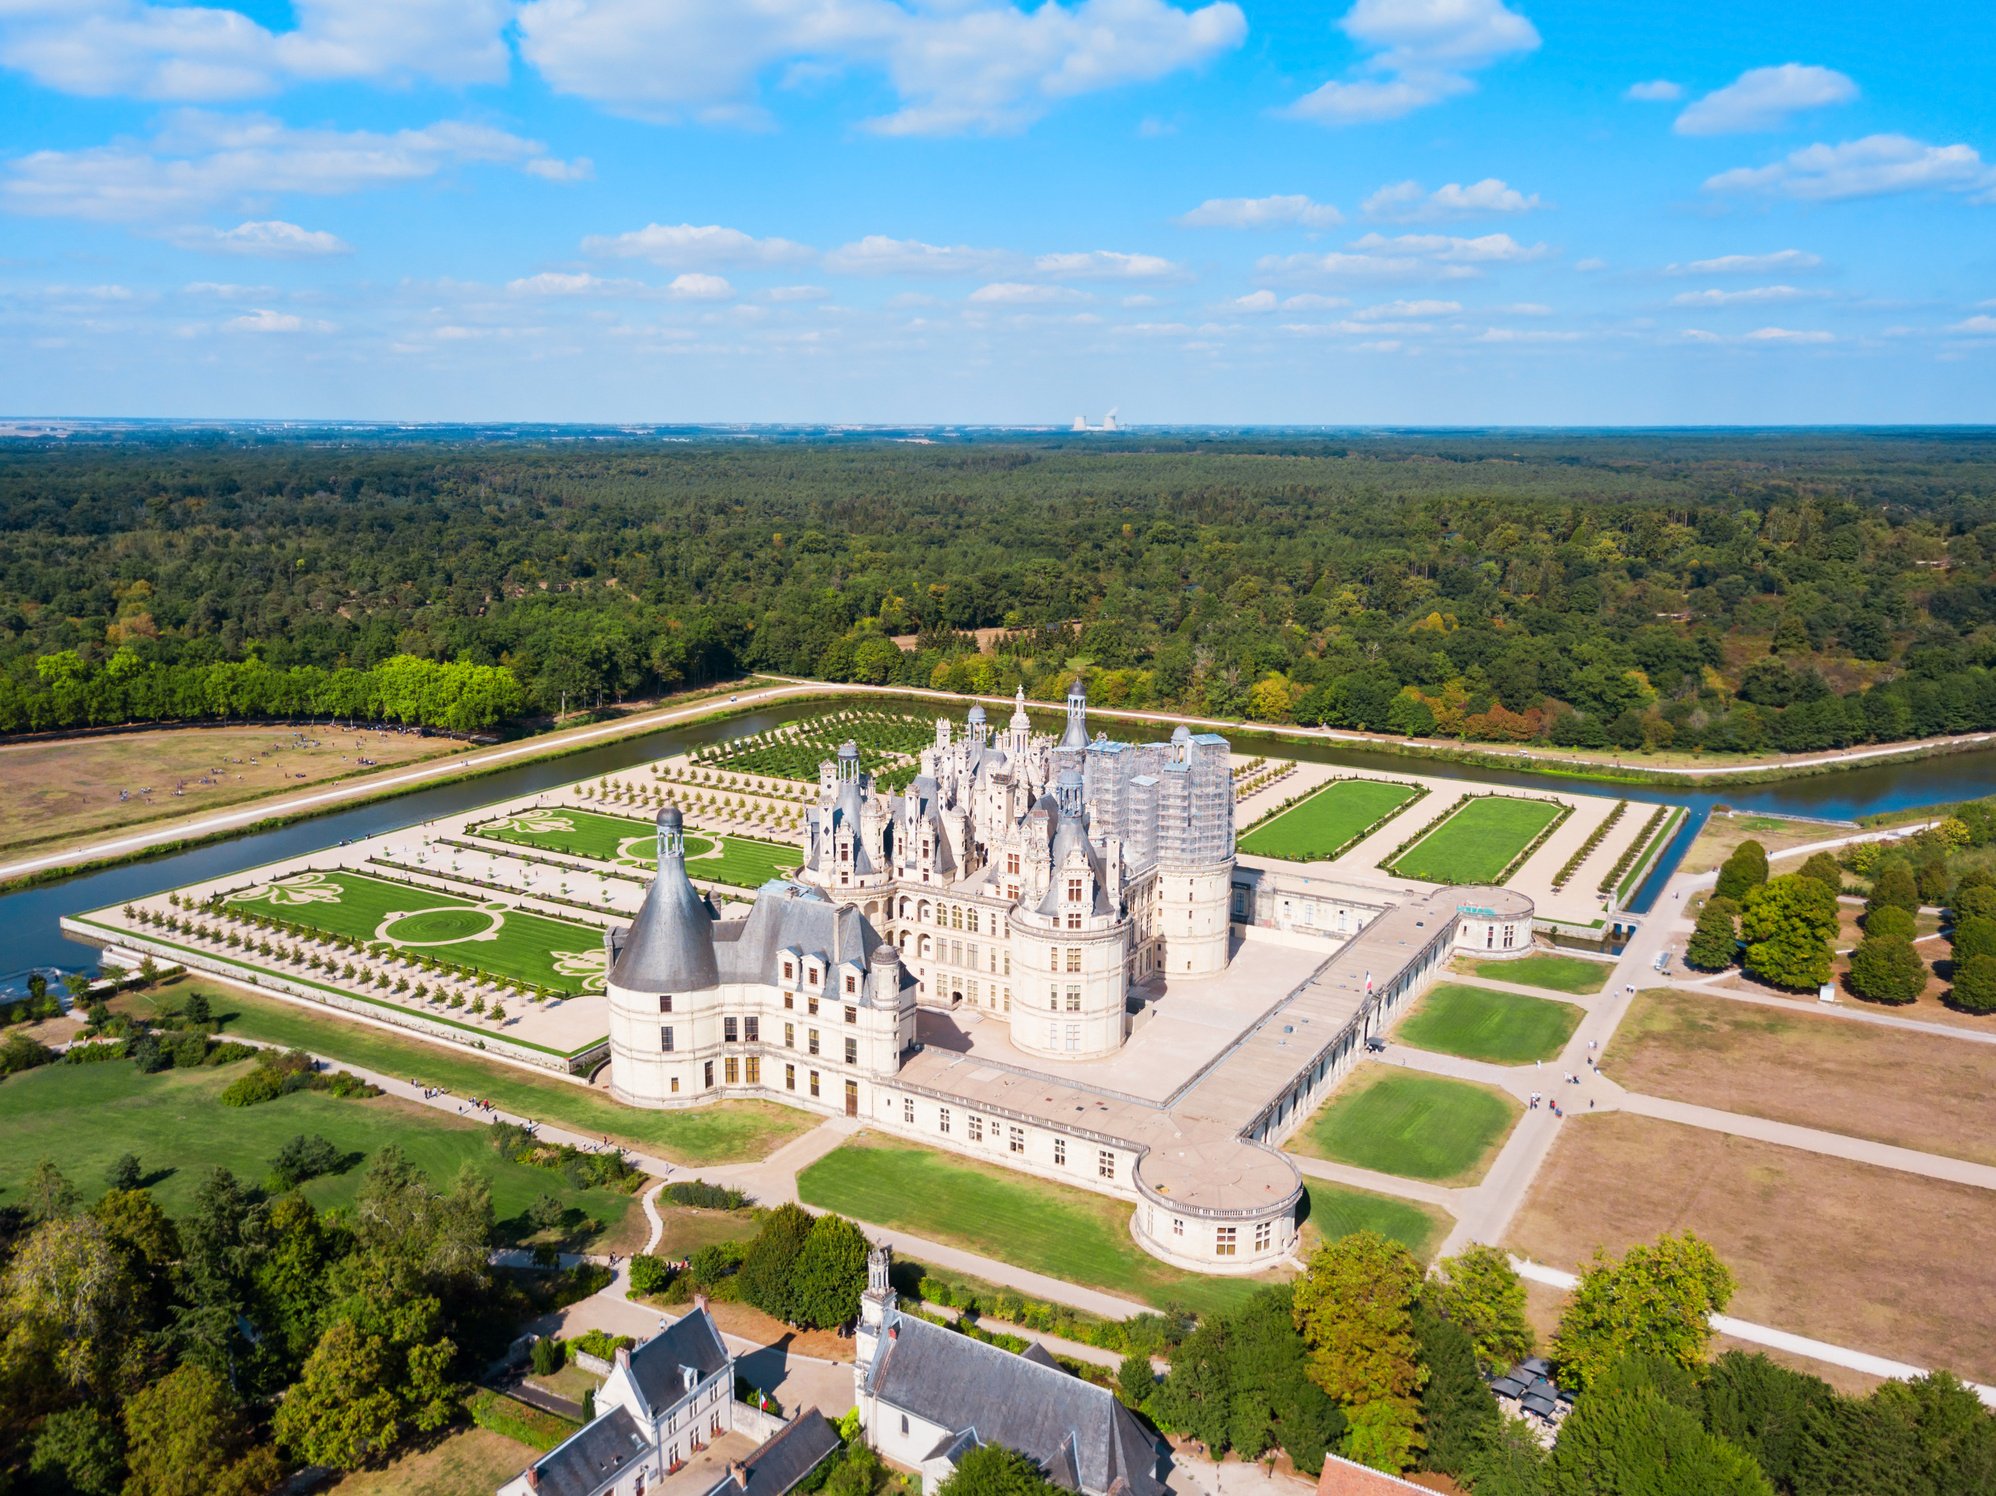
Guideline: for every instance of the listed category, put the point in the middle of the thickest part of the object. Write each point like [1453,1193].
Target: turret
[670,945]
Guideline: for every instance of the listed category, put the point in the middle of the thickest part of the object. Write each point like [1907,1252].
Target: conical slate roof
[1076,733]
[670,945]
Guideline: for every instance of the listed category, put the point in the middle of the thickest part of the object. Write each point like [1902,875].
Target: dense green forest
[1720,591]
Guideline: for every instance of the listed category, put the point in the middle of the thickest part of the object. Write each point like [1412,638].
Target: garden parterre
[1329,821]
[1479,841]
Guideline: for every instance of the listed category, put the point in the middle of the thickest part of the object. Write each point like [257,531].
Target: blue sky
[1398,211]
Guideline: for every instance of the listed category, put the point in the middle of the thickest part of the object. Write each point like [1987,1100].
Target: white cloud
[1523,309]
[1655,91]
[565,283]
[1293,210]
[1450,248]
[1423,52]
[696,285]
[1871,167]
[1254,301]
[1400,310]
[1311,301]
[1022,293]
[1749,296]
[966,66]
[1980,323]
[269,238]
[1405,202]
[198,160]
[877,254]
[263,320]
[1590,264]
[1106,264]
[1764,98]
[1403,257]
[197,54]
[1789,335]
[1779,260]
[681,246]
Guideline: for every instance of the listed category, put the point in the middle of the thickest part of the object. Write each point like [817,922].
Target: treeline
[1685,591]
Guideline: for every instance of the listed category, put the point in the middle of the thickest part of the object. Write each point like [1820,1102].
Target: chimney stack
[700,1302]
[624,1356]
[738,1472]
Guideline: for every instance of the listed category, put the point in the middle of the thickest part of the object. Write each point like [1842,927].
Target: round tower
[1070,949]
[663,982]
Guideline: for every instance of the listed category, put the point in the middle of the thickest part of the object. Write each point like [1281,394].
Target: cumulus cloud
[688,246]
[268,238]
[566,283]
[1406,202]
[877,254]
[1789,335]
[1254,301]
[1422,52]
[1400,310]
[1980,324]
[1871,167]
[696,285]
[1293,210]
[968,66]
[1778,260]
[199,159]
[1403,257]
[263,320]
[1106,264]
[1749,296]
[1022,293]
[1655,91]
[1765,99]
[203,54]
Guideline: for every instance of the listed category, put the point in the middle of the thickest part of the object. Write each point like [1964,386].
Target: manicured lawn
[1416,1126]
[722,1132]
[1333,1211]
[1479,842]
[493,936]
[1574,974]
[85,1116]
[1505,1028]
[1047,1228]
[1329,821]
[587,833]
[744,862]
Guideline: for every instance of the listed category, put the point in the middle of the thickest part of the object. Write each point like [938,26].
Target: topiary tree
[1746,869]
[1975,985]
[1715,942]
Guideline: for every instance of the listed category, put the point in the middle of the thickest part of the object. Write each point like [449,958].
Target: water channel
[29,935]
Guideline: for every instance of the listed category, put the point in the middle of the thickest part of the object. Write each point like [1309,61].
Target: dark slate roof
[1070,837]
[786,1457]
[790,916]
[1067,1426]
[592,1460]
[1075,734]
[1040,1355]
[656,1366]
[669,947]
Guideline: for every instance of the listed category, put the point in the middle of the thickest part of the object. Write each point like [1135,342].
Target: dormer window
[811,976]
[1073,890]
[1012,863]
[852,984]
[789,971]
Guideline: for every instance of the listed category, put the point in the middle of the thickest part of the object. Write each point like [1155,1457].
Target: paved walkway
[1783,1340]
[1713,987]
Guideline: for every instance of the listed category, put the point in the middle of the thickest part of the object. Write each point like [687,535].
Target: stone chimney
[624,1357]
[738,1473]
[700,1302]
[533,1477]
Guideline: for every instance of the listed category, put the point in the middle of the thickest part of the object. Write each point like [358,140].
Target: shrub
[547,1356]
[304,1157]
[649,1275]
[258,1086]
[23,1053]
[1889,922]
[1975,985]
[228,1052]
[601,1344]
[704,1196]
[1885,969]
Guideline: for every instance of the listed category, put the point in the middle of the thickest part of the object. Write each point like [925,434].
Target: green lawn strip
[1063,1232]
[1415,1126]
[604,838]
[1327,822]
[746,862]
[85,1116]
[1479,842]
[526,946]
[719,1132]
[1634,878]
[1331,1211]
[1478,1023]
[1554,973]
[251,968]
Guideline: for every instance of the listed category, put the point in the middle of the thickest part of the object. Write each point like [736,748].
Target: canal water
[30,937]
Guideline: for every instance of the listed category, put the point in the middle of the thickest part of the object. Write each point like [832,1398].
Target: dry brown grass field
[58,791]
[470,1462]
[1721,834]
[1859,1256]
[1914,1090]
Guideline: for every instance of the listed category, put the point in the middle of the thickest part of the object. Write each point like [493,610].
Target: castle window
[1073,1037]
[845,851]
[675,1085]
[814,1083]
[908,1110]
[1008,999]
[1074,999]
[1015,1139]
[1074,920]
[811,1005]
[976,1129]
[665,1037]
[1060,1150]
[790,1001]
[852,1051]
[733,1071]
[956,917]
[752,1030]
[707,1075]
[1178,1225]
[811,1037]
[1223,1241]
[789,971]
[789,1036]
[973,921]
[789,1077]
[1073,890]
[811,976]
[852,1015]
[942,1119]
[1264,1236]
[665,1002]
[1012,863]
[1074,958]
[752,1069]
[1105,1164]
[730,1030]
[852,986]
[1053,998]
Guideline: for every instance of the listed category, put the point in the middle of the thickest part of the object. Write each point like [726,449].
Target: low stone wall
[756,1424]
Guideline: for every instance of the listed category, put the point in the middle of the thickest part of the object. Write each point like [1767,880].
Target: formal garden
[1322,825]
[1575,974]
[888,743]
[1481,1023]
[738,861]
[1480,841]
[1416,1126]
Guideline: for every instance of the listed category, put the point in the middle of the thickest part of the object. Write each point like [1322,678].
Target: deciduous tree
[1788,924]
[1715,941]
[1479,1290]
[1354,1307]
[1656,1299]
[1744,870]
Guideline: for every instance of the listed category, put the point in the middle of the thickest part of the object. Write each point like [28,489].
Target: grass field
[85,1116]
[1574,974]
[1881,1260]
[1415,1126]
[465,1462]
[1332,1212]
[1913,1090]
[1328,821]
[586,833]
[1047,1228]
[744,862]
[1505,1028]
[69,788]
[498,939]
[1478,842]
[721,1132]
